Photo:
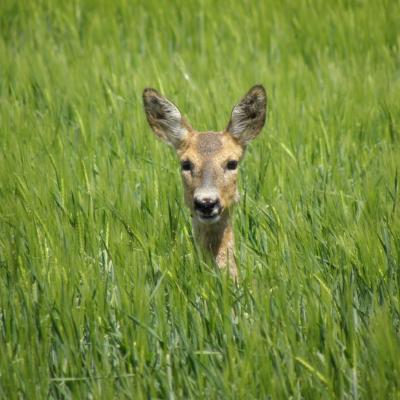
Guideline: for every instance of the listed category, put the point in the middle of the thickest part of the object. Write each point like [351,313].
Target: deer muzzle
[207,206]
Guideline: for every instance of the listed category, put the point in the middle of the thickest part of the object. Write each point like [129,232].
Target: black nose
[205,204]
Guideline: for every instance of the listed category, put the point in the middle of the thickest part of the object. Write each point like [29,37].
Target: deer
[209,166]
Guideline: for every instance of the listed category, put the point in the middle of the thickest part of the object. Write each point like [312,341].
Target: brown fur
[211,160]
[208,155]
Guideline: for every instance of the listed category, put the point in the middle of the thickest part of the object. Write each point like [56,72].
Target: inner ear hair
[248,116]
[164,117]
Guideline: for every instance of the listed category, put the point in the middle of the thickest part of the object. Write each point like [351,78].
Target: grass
[102,293]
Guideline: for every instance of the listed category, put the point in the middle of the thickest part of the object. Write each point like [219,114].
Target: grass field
[102,292]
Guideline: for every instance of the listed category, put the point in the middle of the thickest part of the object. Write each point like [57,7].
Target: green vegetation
[102,293]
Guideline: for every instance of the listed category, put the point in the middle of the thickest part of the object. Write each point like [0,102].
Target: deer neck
[217,240]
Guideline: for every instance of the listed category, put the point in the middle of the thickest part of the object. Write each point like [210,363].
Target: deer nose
[206,204]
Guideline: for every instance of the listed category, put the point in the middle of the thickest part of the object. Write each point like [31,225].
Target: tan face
[209,165]
[209,160]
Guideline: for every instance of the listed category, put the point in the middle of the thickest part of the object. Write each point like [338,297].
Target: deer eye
[186,165]
[232,165]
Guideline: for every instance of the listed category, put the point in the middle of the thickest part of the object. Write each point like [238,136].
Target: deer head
[209,160]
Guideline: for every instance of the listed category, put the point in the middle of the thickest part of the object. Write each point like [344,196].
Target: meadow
[103,294]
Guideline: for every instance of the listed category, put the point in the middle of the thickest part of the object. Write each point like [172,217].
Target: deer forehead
[211,147]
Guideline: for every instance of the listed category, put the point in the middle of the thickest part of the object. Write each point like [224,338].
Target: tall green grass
[102,293]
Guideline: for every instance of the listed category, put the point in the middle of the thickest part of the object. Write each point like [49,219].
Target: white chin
[210,220]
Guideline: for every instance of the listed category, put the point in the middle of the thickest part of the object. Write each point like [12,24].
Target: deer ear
[164,118]
[248,116]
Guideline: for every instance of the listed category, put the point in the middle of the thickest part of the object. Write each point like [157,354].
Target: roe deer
[209,163]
